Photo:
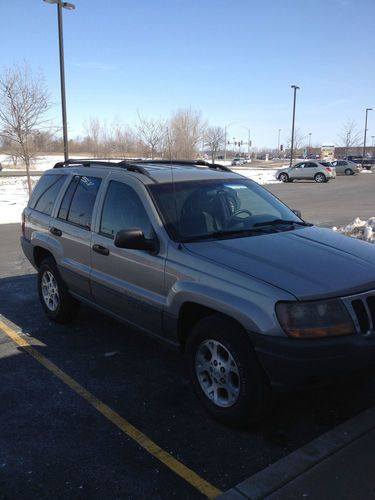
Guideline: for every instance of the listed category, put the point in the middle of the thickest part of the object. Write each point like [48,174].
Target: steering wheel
[236,214]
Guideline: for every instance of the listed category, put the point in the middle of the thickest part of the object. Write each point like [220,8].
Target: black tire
[251,385]
[319,177]
[349,171]
[65,307]
[284,177]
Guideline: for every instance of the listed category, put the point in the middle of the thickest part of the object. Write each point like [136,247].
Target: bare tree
[185,131]
[298,140]
[214,139]
[93,130]
[24,102]
[350,136]
[151,133]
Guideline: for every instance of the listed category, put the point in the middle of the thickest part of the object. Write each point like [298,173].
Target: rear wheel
[320,178]
[349,171]
[225,372]
[54,296]
[284,177]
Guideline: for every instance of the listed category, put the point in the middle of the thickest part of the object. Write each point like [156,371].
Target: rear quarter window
[45,193]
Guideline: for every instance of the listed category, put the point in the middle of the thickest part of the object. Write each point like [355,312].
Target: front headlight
[326,318]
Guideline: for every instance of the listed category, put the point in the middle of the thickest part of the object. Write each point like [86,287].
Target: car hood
[308,262]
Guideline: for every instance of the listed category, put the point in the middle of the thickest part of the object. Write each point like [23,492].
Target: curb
[285,470]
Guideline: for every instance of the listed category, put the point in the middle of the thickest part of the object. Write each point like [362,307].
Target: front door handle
[55,231]
[100,249]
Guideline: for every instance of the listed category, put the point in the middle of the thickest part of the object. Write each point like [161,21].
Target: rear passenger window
[45,193]
[79,199]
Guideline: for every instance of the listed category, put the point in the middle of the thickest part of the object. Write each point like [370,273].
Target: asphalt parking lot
[334,203]
[119,420]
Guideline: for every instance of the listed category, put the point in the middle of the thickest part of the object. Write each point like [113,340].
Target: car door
[129,283]
[297,171]
[71,231]
[310,170]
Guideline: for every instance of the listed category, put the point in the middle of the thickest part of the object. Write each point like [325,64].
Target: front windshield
[197,209]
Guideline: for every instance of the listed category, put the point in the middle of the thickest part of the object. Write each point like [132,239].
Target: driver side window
[123,209]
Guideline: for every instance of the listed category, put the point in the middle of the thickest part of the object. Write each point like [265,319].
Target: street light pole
[295,88]
[60,6]
[309,140]
[364,139]
[278,142]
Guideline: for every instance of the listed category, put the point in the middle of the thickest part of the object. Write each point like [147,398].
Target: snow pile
[261,176]
[13,198]
[361,229]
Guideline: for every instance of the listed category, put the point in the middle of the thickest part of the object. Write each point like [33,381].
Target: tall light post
[68,6]
[225,137]
[310,133]
[295,88]
[248,139]
[372,141]
[278,141]
[364,139]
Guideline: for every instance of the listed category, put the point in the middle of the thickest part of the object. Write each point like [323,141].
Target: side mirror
[134,239]
[298,213]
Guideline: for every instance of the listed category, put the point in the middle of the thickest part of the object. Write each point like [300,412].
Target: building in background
[327,152]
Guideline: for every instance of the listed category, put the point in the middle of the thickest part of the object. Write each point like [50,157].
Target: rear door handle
[100,249]
[55,231]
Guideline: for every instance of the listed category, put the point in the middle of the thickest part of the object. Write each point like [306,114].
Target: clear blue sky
[234,60]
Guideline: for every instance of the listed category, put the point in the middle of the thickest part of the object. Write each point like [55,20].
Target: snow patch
[361,229]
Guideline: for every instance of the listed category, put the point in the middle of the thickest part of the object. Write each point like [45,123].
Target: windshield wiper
[215,235]
[282,221]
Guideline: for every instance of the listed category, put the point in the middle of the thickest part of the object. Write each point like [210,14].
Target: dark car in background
[366,162]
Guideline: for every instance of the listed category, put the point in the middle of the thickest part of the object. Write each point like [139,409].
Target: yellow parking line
[163,456]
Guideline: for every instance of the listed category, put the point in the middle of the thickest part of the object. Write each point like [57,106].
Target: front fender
[255,315]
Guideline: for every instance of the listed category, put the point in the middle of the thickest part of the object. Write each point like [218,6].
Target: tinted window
[65,204]
[83,191]
[45,193]
[310,165]
[123,210]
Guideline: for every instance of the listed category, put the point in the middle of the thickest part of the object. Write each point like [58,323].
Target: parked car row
[319,171]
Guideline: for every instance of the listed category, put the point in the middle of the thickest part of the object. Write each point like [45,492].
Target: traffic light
[281,147]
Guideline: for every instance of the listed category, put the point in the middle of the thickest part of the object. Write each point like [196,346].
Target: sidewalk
[338,465]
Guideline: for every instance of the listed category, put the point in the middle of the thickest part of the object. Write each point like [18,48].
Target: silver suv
[210,261]
[307,170]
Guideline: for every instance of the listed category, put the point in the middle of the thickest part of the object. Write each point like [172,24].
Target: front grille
[361,308]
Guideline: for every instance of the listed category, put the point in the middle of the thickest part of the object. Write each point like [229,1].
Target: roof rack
[185,163]
[86,162]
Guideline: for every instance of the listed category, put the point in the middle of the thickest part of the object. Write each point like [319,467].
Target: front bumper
[294,363]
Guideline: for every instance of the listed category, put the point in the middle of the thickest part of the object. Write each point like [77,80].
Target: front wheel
[54,296]
[349,171]
[225,372]
[320,178]
[284,177]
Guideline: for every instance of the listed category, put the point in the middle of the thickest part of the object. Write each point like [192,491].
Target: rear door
[129,283]
[71,231]
[310,170]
